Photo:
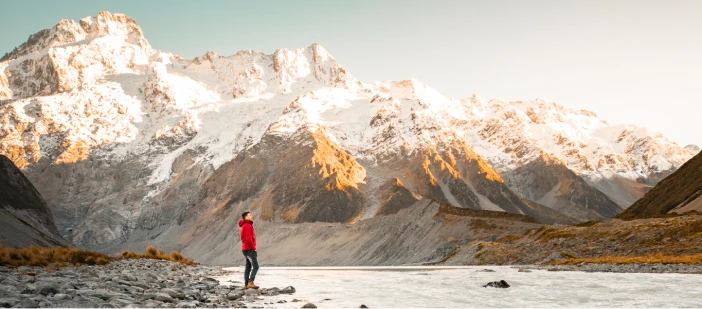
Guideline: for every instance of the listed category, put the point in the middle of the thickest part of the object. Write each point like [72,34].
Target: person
[248,247]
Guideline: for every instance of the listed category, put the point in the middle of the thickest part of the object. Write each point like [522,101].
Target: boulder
[309,305]
[235,295]
[497,284]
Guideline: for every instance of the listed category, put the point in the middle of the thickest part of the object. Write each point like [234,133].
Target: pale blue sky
[634,62]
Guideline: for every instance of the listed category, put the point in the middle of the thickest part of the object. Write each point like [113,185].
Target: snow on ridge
[225,104]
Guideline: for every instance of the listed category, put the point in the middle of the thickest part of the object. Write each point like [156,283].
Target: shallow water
[422,287]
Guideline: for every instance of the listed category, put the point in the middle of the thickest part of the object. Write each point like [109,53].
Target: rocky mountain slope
[678,193]
[424,232]
[25,219]
[126,142]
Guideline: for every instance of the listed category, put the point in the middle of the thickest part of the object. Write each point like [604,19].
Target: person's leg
[254,263]
[247,270]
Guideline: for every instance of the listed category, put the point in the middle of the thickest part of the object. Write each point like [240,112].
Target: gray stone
[201,287]
[163,297]
[288,290]
[27,303]
[253,292]
[192,294]
[61,296]
[210,281]
[29,289]
[140,284]
[187,304]
[485,271]
[175,293]
[119,302]
[128,278]
[213,298]
[8,302]
[363,306]
[153,304]
[147,296]
[103,295]
[68,303]
[9,290]
[235,296]
[46,289]
[107,305]
[309,305]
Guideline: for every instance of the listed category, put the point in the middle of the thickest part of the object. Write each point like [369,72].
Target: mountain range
[128,144]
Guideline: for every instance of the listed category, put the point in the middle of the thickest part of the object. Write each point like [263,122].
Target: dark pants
[251,266]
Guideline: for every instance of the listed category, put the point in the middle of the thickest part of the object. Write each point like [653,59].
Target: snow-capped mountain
[127,142]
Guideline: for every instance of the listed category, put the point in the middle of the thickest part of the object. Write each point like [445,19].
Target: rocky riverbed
[138,283]
[626,268]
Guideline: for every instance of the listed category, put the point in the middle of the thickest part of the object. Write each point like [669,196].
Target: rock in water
[497,284]
[363,306]
[309,305]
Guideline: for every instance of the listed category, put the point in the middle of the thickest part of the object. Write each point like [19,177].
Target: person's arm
[253,238]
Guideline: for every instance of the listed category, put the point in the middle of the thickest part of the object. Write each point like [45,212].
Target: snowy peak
[693,148]
[111,24]
[519,131]
[250,73]
[72,54]
[69,31]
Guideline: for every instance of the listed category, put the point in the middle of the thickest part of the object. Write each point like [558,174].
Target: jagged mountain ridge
[122,138]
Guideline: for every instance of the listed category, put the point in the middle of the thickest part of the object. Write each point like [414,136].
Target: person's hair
[243,216]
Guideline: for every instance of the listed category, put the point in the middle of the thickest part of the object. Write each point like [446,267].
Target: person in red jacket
[248,247]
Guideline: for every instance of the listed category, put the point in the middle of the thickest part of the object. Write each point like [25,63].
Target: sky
[637,62]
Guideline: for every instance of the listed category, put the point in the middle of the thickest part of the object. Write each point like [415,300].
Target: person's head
[247,216]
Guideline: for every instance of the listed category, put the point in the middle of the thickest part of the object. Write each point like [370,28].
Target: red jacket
[248,236]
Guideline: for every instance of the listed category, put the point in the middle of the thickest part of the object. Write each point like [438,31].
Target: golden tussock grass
[647,259]
[158,254]
[547,233]
[54,258]
[45,257]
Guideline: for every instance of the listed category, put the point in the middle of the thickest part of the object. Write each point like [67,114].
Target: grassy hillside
[671,192]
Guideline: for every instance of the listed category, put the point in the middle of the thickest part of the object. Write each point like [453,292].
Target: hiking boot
[251,285]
